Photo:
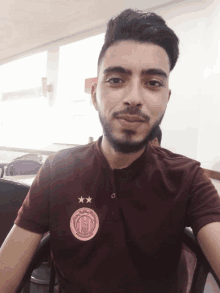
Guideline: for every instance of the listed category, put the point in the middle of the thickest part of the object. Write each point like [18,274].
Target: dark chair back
[12,195]
[31,157]
[22,167]
[2,166]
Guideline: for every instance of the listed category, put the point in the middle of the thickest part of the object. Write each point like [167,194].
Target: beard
[126,145]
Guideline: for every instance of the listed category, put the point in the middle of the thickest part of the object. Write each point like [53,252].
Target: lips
[131,118]
[130,122]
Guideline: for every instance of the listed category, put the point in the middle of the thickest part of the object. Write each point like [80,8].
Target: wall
[216,183]
[192,122]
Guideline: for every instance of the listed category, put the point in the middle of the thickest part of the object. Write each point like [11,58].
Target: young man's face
[132,93]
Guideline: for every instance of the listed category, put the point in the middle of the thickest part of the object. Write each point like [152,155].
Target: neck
[118,160]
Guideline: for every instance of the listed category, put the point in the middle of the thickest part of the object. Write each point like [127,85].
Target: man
[116,209]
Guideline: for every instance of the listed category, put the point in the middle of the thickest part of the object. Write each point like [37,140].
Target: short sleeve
[34,212]
[203,202]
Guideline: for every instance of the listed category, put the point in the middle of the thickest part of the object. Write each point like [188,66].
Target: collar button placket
[113,201]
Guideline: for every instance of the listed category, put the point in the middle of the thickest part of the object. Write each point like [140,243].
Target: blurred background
[61,40]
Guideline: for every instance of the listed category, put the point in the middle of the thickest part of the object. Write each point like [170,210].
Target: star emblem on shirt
[81,199]
[89,199]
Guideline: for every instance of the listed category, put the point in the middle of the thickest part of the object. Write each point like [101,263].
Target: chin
[130,136]
[127,143]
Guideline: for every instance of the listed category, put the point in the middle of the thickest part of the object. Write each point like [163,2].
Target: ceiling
[28,26]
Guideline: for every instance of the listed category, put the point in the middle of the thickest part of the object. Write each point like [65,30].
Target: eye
[154,83]
[115,80]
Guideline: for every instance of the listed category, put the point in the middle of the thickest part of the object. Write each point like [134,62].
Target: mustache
[132,111]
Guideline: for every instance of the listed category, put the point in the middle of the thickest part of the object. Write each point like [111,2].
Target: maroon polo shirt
[118,230]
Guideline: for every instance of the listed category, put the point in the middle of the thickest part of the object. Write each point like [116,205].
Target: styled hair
[144,28]
[157,134]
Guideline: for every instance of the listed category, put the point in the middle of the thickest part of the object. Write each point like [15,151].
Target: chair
[22,167]
[196,275]
[31,157]
[12,195]
[2,165]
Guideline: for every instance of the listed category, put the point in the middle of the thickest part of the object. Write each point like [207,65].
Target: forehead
[136,56]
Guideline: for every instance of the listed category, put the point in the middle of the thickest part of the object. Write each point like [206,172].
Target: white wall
[192,121]
[216,183]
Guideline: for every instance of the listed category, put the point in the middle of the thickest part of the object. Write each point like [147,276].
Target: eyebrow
[150,71]
[117,69]
[154,71]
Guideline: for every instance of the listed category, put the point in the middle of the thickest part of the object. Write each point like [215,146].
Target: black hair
[158,134]
[144,28]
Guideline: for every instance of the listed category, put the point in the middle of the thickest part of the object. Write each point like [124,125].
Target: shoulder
[78,154]
[172,161]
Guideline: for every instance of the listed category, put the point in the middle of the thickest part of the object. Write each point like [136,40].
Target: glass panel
[24,73]
[29,122]
[78,119]
[23,110]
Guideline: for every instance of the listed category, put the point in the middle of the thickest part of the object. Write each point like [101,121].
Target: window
[78,61]
[23,109]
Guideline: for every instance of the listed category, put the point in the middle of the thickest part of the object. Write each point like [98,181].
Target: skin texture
[209,240]
[15,255]
[136,92]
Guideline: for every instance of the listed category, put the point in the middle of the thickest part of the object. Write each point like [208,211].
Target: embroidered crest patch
[84,224]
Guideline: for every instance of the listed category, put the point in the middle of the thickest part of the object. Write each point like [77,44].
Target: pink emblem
[84,224]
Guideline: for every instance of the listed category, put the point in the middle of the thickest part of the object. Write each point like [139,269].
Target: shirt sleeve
[203,202]
[34,212]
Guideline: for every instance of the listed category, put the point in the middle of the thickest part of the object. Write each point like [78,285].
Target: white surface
[191,123]
[25,25]
[216,183]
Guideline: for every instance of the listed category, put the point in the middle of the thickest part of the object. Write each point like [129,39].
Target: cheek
[108,100]
[158,107]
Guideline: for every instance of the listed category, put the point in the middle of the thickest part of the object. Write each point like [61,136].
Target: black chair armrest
[203,268]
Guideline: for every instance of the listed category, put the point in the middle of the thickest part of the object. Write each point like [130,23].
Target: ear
[93,94]
[169,95]
[155,142]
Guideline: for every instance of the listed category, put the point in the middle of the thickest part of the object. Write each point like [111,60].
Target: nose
[133,95]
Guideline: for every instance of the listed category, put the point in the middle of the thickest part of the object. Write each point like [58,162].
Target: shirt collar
[138,165]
